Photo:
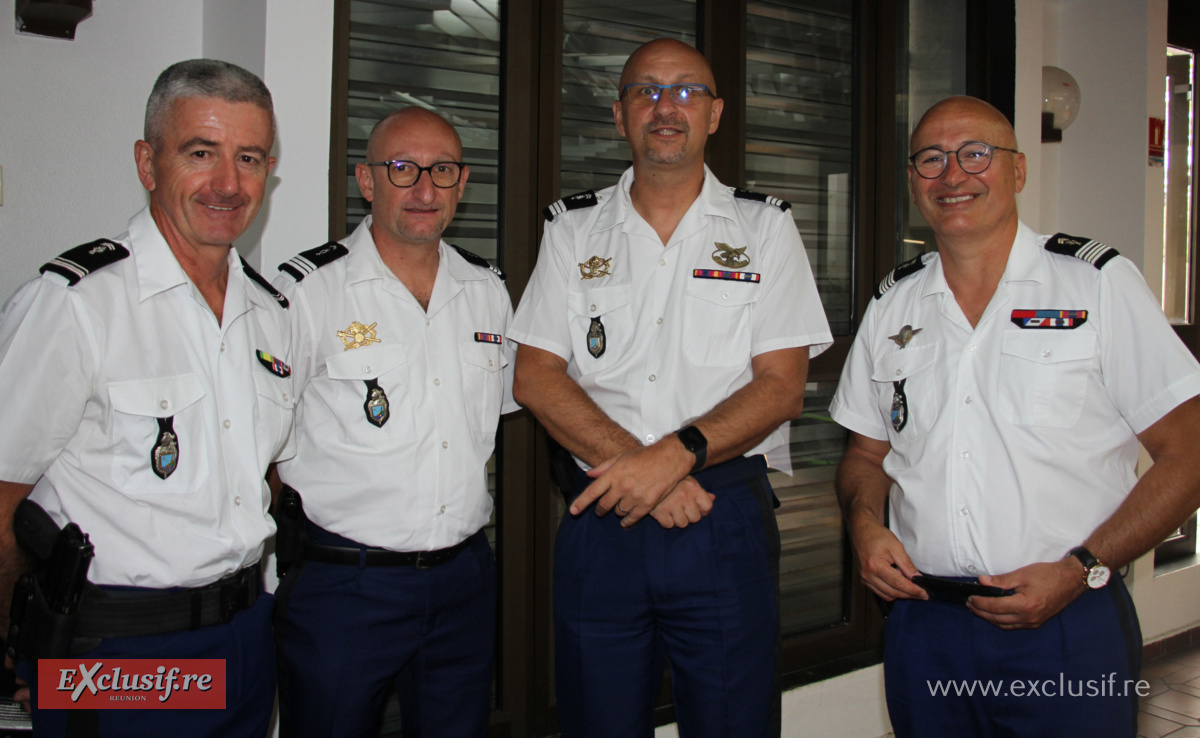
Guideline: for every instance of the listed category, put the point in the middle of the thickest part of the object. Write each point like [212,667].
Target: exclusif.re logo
[137,684]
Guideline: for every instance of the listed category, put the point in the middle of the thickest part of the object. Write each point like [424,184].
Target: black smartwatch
[1095,574]
[693,440]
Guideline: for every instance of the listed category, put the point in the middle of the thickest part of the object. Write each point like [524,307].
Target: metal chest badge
[376,406]
[595,339]
[358,335]
[728,256]
[899,399]
[164,457]
[595,268]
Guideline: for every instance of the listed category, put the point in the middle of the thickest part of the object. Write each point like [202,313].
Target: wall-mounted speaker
[57,18]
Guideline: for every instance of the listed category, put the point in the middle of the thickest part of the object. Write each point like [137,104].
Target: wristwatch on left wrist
[693,440]
[1095,574]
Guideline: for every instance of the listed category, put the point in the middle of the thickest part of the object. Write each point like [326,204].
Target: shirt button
[1046,354]
[899,372]
[967,400]
[222,347]
[658,322]
[724,295]
[445,444]
[965,454]
[653,377]
[662,262]
[367,368]
[491,363]
[227,423]
[285,397]
[443,509]
[164,404]
[650,438]
[964,512]
[437,382]
[237,501]
[971,568]
[592,308]
[971,347]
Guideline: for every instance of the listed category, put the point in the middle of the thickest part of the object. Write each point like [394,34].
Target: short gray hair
[202,78]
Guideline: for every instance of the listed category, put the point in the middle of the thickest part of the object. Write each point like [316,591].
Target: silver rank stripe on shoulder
[70,266]
[1091,251]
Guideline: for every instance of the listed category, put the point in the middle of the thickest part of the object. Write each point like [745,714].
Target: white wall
[70,112]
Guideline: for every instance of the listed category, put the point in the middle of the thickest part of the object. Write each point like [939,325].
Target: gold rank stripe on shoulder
[75,264]
[912,266]
[1085,249]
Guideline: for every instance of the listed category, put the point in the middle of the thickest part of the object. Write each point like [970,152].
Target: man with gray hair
[146,388]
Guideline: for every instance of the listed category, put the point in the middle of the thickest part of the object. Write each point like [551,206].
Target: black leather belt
[119,614]
[380,557]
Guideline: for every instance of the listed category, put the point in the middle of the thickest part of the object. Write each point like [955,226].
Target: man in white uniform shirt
[146,388]
[664,341]
[404,375]
[996,394]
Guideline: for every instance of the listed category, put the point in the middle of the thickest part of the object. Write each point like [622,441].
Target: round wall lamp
[1060,103]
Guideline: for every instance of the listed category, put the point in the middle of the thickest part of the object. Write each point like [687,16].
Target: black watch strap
[693,440]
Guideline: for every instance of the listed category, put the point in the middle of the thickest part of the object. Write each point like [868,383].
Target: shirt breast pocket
[137,408]
[1044,376]
[483,384]
[276,407]
[350,371]
[908,390]
[716,322]
[601,324]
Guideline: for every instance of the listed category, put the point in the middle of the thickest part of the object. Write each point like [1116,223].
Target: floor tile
[1162,712]
[1152,726]
[1184,704]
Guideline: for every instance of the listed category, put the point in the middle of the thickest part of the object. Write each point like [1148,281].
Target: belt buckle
[421,562]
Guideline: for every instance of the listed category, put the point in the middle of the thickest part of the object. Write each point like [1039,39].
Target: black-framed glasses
[973,158]
[443,174]
[683,93]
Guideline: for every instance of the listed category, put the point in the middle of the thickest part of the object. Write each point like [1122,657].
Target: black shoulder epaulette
[571,202]
[1093,252]
[77,263]
[478,261]
[912,266]
[258,279]
[783,205]
[306,262]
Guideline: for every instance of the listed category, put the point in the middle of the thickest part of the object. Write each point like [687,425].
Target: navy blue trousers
[703,599]
[246,644]
[346,633]
[1074,676]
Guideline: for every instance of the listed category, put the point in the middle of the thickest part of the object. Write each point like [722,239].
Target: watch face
[1097,576]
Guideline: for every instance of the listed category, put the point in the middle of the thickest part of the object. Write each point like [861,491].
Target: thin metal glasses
[443,174]
[973,158]
[683,93]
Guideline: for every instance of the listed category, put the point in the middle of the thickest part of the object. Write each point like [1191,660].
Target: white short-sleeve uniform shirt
[1020,436]
[419,481]
[679,327]
[87,371]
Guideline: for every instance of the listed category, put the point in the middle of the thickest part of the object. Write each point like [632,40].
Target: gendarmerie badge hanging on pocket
[164,457]
[376,406]
[899,405]
[595,339]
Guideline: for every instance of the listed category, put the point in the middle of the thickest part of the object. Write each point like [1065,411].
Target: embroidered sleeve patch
[489,338]
[1061,319]
[730,276]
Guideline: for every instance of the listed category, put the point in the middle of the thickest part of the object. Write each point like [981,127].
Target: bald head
[672,52]
[402,122]
[993,126]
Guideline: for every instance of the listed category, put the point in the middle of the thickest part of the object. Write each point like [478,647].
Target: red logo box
[131,684]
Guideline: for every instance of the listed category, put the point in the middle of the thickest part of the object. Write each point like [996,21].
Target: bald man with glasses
[403,368]
[664,341]
[996,394]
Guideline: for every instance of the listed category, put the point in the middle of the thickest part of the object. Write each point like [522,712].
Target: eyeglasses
[684,93]
[443,174]
[973,158]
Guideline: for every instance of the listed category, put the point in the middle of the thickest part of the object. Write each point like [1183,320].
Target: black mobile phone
[952,590]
